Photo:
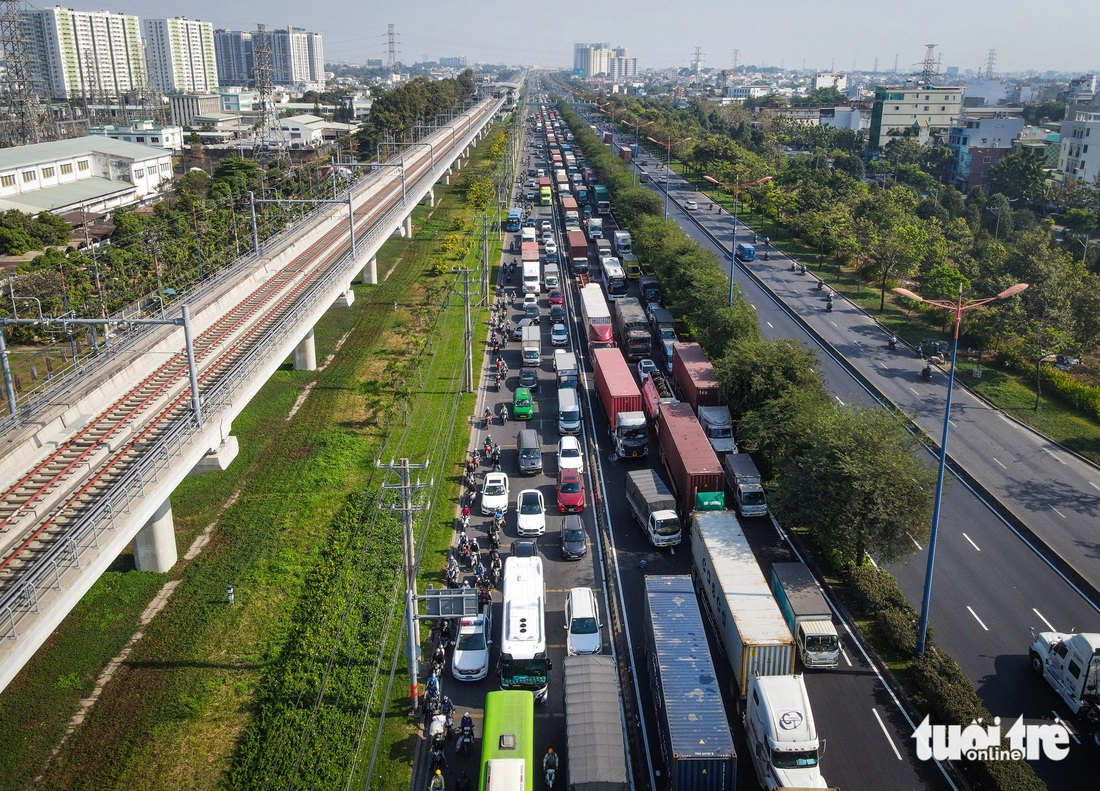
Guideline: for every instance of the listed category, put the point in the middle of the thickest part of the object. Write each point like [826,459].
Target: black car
[529,378]
[573,544]
[517,331]
[531,311]
[523,549]
[557,314]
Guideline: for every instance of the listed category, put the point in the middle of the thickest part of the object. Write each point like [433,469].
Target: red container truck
[578,252]
[688,457]
[529,251]
[694,375]
[622,402]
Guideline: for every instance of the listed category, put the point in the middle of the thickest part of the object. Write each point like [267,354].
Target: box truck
[807,614]
[653,506]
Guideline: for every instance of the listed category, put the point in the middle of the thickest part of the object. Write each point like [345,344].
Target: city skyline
[494,32]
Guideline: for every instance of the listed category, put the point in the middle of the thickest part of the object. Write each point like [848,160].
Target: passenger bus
[614,278]
[514,221]
[508,742]
[545,196]
[524,663]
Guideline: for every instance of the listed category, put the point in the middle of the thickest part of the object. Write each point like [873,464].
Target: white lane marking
[976,618]
[833,323]
[1055,510]
[886,733]
[1054,455]
[1069,728]
[914,392]
[1003,417]
[844,654]
[838,400]
[882,365]
[953,423]
[1094,485]
[872,561]
[918,546]
[1044,620]
[1005,468]
[770,327]
[968,538]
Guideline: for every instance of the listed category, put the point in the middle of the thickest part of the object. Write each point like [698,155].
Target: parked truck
[656,392]
[694,375]
[595,750]
[601,200]
[689,460]
[653,506]
[745,484]
[531,346]
[595,228]
[1070,662]
[745,616]
[630,320]
[692,728]
[578,252]
[807,614]
[651,288]
[782,734]
[566,370]
[597,318]
[622,402]
[621,241]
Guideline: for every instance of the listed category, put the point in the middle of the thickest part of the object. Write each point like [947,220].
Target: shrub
[876,590]
[898,629]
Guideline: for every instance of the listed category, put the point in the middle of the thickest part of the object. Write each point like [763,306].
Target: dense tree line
[395,114]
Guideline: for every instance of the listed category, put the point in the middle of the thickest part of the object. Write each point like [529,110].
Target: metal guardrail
[20,597]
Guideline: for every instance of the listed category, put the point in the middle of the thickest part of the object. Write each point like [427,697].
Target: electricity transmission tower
[25,120]
[928,66]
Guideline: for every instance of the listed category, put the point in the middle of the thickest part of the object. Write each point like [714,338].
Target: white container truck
[807,614]
[782,735]
[1071,664]
[653,506]
[744,482]
[621,242]
[531,277]
[745,616]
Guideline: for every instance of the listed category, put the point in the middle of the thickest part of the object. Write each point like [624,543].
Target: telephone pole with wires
[407,507]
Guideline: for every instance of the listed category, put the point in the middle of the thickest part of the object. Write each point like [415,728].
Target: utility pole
[407,508]
[485,260]
[468,335]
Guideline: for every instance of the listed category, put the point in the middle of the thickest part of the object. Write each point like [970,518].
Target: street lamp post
[668,162]
[736,186]
[957,307]
[634,159]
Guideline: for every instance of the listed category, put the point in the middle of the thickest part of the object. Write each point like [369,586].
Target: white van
[569,411]
[582,622]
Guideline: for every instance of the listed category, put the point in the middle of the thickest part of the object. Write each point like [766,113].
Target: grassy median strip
[286,685]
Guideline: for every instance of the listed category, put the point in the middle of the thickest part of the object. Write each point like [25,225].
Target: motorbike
[794,266]
[829,306]
[466,742]
[926,372]
[893,342]
[452,574]
[488,446]
[802,270]
[820,285]
[766,257]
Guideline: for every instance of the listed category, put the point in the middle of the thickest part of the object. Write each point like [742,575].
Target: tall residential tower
[180,55]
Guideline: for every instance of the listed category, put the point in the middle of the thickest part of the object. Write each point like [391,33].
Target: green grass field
[282,687]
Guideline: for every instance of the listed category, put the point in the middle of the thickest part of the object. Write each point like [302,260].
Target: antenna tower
[736,58]
[391,63]
[990,62]
[928,66]
[25,119]
[697,63]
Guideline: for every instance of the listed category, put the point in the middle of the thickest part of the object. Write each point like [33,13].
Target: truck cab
[1071,664]
[782,736]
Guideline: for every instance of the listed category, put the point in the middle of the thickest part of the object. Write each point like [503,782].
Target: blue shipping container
[691,719]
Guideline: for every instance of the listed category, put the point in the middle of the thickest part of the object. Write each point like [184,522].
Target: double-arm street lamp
[736,188]
[957,307]
[634,159]
[668,144]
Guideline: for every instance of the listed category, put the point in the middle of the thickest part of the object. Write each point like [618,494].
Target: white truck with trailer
[1070,662]
[782,735]
[745,483]
[733,589]
[807,614]
[653,506]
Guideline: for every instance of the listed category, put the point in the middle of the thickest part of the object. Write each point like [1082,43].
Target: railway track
[46,503]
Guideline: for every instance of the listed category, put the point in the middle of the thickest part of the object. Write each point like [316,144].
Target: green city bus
[508,741]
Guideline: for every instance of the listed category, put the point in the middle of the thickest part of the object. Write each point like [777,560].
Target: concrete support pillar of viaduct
[345,300]
[155,543]
[407,227]
[369,275]
[430,198]
[305,353]
[447,177]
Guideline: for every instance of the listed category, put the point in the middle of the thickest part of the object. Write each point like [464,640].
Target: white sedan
[551,246]
[470,661]
[531,520]
[494,493]
[570,455]
[691,205]
[559,335]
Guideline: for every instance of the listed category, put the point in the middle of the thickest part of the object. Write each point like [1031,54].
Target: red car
[570,491]
[555,297]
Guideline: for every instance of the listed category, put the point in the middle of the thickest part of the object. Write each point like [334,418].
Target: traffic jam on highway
[633,582]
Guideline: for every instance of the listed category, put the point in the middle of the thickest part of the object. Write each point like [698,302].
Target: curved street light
[957,307]
[637,136]
[736,187]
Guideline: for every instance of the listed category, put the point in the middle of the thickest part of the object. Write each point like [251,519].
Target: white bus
[524,663]
[531,277]
[614,278]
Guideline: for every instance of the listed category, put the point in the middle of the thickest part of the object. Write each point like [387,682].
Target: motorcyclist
[550,761]
[437,783]
[467,722]
[893,341]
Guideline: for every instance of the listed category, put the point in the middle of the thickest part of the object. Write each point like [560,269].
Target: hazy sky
[1058,35]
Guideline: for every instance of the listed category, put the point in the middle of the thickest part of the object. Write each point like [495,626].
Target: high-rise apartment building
[233,55]
[179,53]
[93,55]
[297,57]
[591,60]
